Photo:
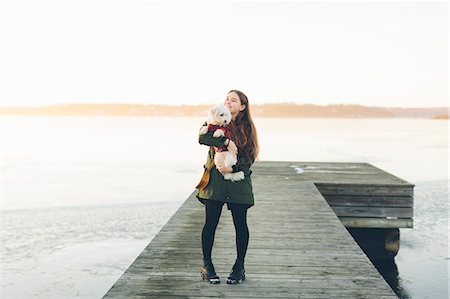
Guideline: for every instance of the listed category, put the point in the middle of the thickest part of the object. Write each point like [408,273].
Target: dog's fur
[219,115]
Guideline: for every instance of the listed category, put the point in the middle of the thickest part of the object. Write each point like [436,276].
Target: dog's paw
[218,133]
[203,130]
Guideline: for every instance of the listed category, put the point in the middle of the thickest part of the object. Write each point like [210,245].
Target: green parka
[218,188]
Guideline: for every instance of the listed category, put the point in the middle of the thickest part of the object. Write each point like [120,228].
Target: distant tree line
[264,110]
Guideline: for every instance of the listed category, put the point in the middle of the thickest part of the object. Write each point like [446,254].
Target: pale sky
[369,53]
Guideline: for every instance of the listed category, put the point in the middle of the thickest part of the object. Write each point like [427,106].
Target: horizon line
[204,104]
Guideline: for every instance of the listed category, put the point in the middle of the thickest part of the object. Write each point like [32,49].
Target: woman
[237,195]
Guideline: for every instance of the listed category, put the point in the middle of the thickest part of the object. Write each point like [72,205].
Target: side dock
[299,246]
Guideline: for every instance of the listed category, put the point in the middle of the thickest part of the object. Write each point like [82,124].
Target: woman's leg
[213,210]
[239,213]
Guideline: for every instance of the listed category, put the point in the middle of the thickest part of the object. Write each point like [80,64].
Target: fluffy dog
[218,118]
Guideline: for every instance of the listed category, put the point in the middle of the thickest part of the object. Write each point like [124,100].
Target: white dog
[218,118]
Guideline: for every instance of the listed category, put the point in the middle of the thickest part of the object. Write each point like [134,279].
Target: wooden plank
[375,212]
[366,190]
[371,201]
[361,222]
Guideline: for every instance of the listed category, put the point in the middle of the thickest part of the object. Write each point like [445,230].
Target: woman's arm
[209,140]
[244,164]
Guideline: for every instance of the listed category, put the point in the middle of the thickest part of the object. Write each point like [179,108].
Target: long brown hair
[243,128]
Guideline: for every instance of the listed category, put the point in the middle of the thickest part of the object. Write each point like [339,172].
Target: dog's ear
[214,110]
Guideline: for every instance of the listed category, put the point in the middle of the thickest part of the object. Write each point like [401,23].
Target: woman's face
[234,104]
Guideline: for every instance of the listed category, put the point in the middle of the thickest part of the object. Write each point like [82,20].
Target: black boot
[237,274]
[208,273]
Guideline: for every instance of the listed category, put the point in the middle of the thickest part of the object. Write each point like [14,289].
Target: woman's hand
[224,169]
[232,148]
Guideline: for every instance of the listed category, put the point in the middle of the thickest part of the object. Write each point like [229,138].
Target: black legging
[213,212]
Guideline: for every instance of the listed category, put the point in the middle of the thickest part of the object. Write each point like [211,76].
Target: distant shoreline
[264,110]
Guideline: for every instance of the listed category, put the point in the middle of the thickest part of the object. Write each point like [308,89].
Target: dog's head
[219,115]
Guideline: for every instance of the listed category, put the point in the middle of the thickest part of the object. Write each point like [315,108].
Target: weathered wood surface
[298,247]
[362,195]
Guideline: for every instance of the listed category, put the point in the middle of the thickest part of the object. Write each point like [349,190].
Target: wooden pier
[298,248]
